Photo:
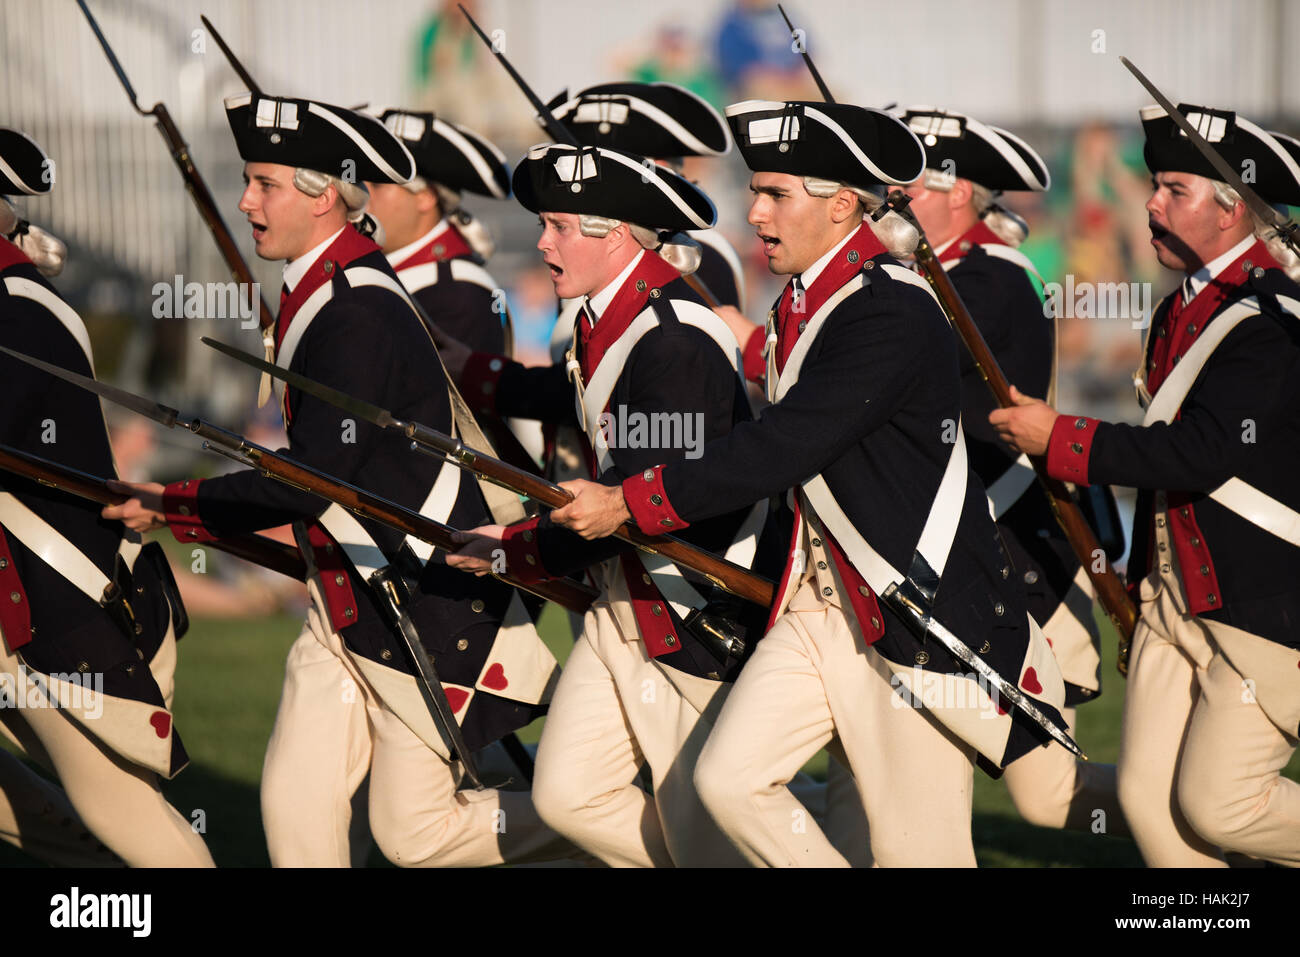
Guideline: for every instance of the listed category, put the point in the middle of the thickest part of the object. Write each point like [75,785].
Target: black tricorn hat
[649,119]
[24,167]
[558,178]
[964,147]
[837,141]
[449,154]
[311,135]
[1274,172]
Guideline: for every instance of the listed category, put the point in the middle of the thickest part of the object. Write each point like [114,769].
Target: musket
[730,577]
[562,134]
[1110,590]
[276,465]
[257,549]
[194,184]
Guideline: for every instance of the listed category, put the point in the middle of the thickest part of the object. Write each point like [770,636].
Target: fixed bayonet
[231,58]
[1284,226]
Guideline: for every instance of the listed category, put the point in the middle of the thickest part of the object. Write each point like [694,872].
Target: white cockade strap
[1235,495]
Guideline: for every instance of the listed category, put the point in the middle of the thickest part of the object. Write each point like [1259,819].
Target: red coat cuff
[648,502]
[1069,448]
[478,380]
[755,362]
[181,508]
[523,559]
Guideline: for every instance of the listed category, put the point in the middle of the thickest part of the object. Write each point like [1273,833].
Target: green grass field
[228,686]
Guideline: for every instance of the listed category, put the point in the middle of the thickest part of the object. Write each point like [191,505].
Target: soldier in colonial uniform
[968,164]
[351,703]
[667,123]
[644,681]
[1212,708]
[89,618]
[863,440]
[436,247]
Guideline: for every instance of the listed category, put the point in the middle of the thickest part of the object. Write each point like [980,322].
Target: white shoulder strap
[49,545]
[1235,495]
[462,270]
[28,289]
[415,278]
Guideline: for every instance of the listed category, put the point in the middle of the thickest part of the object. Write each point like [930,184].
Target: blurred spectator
[756,55]
[534,309]
[456,73]
[675,58]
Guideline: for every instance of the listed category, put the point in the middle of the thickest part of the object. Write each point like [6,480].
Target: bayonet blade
[557,130]
[359,407]
[230,56]
[1285,227]
[803,52]
[112,57]
[1005,688]
[136,403]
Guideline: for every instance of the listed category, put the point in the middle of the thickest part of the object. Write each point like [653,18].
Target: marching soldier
[89,618]
[667,123]
[646,677]
[438,249]
[1212,708]
[351,703]
[968,164]
[863,440]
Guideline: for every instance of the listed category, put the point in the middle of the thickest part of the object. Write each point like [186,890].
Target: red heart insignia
[162,723]
[456,698]
[495,678]
[1030,682]
[1049,643]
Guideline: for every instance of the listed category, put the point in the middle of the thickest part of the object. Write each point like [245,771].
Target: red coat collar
[448,244]
[848,262]
[977,235]
[346,249]
[650,274]
[1182,323]
[11,255]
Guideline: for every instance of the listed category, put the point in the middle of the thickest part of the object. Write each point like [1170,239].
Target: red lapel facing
[346,249]
[11,255]
[448,244]
[862,246]
[977,235]
[1183,323]
[651,273]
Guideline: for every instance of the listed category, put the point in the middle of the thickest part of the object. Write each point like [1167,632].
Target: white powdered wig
[1228,198]
[313,183]
[1006,225]
[47,253]
[895,233]
[678,250]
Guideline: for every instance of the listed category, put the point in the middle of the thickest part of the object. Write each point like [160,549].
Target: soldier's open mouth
[769,243]
[258,230]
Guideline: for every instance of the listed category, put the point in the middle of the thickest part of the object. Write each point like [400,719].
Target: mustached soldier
[88,614]
[350,704]
[863,439]
[967,166]
[641,685]
[1212,707]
